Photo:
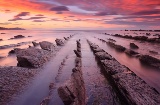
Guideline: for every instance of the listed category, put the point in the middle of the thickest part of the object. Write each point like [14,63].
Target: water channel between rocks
[98,89]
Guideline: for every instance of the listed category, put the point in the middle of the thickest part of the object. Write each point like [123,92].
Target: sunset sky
[80,14]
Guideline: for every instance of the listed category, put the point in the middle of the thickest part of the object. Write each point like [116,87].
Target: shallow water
[39,87]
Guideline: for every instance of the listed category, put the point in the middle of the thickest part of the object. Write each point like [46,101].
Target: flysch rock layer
[147,59]
[73,91]
[12,80]
[32,57]
[130,88]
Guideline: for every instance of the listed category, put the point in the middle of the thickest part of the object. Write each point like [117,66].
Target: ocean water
[149,74]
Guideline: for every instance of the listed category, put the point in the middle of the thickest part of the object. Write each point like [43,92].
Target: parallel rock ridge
[141,38]
[73,91]
[149,60]
[130,88]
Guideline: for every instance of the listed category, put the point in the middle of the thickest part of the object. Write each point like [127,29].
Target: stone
[103,56]
[65,38]
[45,45]
[78,54]
[112,40]
[134,46]
[149,60]
[35,44]
[12,52]
[19,36]
[131,52]
[59,42]
[73,91]
[153,52]
[1,39]
[32,57]
[119,48]
[97,50]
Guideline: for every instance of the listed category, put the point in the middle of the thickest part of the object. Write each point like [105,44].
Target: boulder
[148,34]
[1,39]
[149,60]
[47,45]
[119,48]
[153,52]
[59,42]
[18,36]
[131,52]
[73,91]
[32,57]
[134,46]
[12,52]
[78,54]
[65,38]
[35,44]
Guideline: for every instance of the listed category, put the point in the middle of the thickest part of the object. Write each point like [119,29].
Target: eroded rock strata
[12,80]
[147,59]
[130,88]
[140,38]
[73,91]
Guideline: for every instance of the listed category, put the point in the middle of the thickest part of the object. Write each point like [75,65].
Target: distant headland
[16,28]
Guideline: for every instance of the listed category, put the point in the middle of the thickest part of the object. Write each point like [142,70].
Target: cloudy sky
[80,14]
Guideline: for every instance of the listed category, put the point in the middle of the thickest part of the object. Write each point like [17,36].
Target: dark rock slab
[131,52]
[131,89]
[134,46]
[59,42]
[35,43]
[73,91]
[11,52]
[47,45]
[19,36]
[150,60]
[153,52]
[103,56]
[32,57]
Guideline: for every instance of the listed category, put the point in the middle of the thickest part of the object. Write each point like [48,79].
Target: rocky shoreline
[131,89]
[147,59]
[140,38]
[30,61]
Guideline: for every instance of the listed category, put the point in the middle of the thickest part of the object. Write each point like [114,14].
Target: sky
[80,14]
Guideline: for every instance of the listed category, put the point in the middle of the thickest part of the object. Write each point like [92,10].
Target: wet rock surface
[47,45]
[32,57]
[12,80]
[150,60]
[73,91]
[134,46]
[131,89]
[141,38]
[35,44]
[17,37]
[59,42]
